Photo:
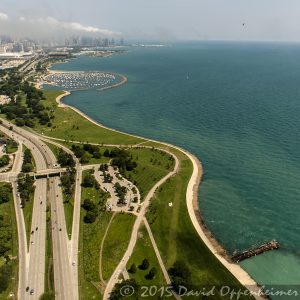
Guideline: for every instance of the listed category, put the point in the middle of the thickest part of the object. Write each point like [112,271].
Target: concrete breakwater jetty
[272,245]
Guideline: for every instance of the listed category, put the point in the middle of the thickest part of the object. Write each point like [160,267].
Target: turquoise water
[237,107]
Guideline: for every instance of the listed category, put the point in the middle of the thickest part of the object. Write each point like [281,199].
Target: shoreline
[192,206]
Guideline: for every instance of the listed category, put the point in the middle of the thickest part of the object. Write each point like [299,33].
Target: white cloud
[3,16]
[75,26]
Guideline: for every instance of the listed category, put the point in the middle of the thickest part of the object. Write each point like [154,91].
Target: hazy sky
[155,19]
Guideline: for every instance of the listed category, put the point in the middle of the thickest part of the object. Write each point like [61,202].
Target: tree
[91,216]
[106,153]
[117,291]
[47,296]
[5,275]
[145,264]
[28,167]
[4,161]
[89,205]
[65,159]
[96,154]
[88,180]
[85,158]
[152,273]
[180,275]
[132,269]
[4,195]
[20,122]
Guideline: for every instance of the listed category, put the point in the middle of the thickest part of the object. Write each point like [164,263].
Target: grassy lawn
[53,148]
[9,238]
[89,247]
[12,147]
[152,166]
[32,160]
[116,242]
[27,212]
[143,249]
[69,207]
[178,240]
[70,125]
[49,275]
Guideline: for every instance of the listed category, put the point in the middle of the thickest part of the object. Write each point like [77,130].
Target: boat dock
[272,245]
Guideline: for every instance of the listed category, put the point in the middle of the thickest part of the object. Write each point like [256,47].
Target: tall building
[2,49]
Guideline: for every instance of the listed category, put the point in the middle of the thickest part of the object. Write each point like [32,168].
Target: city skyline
[165,20]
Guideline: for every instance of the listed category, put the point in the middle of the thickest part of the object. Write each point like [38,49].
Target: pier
[272,245]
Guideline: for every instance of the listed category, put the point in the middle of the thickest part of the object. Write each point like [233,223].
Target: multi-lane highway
[32,264]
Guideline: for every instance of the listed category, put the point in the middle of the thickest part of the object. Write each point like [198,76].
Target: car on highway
[32,292]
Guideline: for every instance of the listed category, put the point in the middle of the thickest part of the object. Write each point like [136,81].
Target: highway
[34,260]
[74,241]
[61,262]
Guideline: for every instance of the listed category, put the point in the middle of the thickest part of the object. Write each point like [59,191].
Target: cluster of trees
[5,235]
[118,292]
[25,187]
[47,296]
[5,276]
[68,182]
[91,211]
[107,177]
[180,275]
[144,266]
[121,158]
[32,109]
[5,193]
[65,159]
[67,179]
[27,165]
[4,161]
[121,192]
[10,86]
[90,181]
[5,239]
[86,152]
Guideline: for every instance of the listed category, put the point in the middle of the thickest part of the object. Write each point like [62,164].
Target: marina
[82,80]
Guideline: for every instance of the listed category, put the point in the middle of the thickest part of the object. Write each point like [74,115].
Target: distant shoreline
[192,205]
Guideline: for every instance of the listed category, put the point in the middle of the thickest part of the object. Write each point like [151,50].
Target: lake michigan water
[237,107]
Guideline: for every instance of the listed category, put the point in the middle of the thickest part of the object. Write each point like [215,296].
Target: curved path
[101,248]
